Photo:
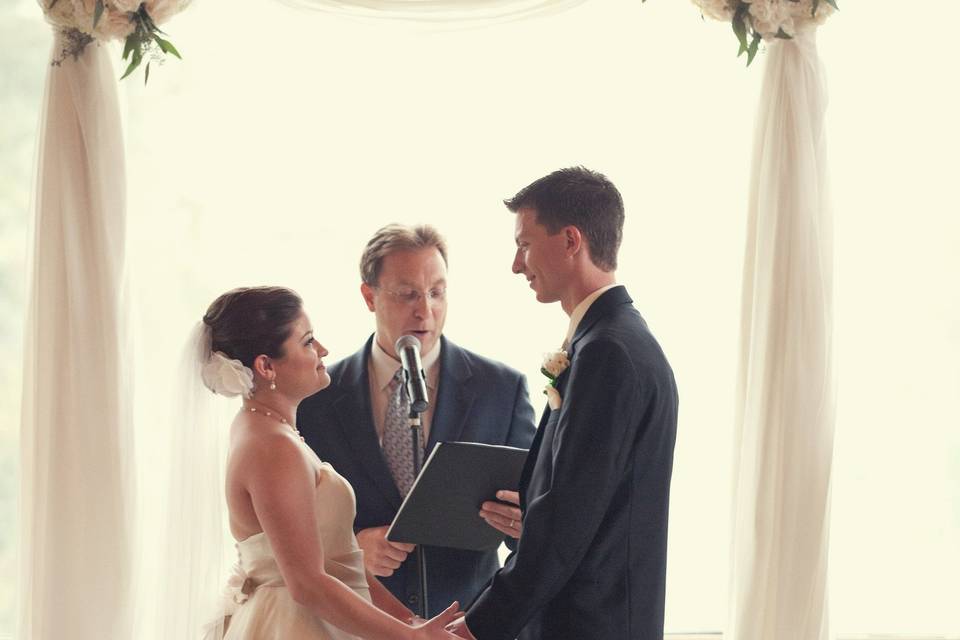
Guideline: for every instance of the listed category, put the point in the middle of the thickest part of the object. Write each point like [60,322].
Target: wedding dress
[258,606]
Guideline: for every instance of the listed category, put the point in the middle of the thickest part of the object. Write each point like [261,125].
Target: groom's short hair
[582,198]
[393,238]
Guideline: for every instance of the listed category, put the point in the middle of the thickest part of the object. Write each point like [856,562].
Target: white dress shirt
[382,367]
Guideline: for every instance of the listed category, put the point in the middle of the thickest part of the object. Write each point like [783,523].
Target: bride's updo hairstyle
[250,321]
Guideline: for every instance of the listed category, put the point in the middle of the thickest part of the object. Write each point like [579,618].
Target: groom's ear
[574,240]
[367,292]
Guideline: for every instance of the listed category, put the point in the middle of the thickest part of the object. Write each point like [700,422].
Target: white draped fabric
[785,398]
[76,516]
[453,11]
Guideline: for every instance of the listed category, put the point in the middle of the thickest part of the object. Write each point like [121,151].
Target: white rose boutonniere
[554,363]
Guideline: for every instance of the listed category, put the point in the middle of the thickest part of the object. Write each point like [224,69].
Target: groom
[591,561]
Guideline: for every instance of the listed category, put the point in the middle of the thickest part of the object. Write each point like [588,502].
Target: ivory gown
[262,608]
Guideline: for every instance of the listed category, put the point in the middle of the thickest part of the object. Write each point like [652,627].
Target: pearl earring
[273,386]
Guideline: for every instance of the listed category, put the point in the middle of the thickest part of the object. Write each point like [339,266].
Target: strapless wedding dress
[258,605]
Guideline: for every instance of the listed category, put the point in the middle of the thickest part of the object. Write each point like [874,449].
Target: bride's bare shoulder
[259,444]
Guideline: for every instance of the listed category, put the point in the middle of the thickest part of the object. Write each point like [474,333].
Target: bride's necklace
[276,416]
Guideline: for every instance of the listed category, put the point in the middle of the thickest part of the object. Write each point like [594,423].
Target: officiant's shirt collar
[385,365]
[580,311]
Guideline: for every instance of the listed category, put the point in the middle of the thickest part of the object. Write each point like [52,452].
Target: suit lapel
[357,426]
[531,459]
[603,305]
[455,395]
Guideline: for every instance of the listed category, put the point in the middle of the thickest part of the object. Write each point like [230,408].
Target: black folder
[443,506]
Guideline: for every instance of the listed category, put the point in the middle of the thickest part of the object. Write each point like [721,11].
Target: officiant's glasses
[412,296]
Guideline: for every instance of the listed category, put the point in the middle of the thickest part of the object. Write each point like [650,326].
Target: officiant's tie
[397,442]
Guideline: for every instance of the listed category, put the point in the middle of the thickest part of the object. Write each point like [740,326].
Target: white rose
[162,10]
[113,25]
[83,8]
[555,363]
[765,17]
[227,377]
[715,9]
[127,6]
[61,14]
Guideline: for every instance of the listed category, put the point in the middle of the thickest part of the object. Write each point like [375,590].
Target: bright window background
[284,139]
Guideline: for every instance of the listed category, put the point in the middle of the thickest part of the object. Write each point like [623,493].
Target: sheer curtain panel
[75,483]
[785,397]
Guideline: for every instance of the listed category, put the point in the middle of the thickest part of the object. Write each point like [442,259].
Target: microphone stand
[416,435]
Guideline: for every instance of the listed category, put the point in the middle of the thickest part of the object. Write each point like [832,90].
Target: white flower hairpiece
[222,375]
[227,377]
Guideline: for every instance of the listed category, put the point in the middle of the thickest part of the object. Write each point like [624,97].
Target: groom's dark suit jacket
[591,562]
[478,400]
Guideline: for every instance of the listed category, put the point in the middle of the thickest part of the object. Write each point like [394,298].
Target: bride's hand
[435,628]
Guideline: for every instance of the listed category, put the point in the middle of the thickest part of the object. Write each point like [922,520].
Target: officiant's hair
[580,197]
[250,321]
[393,238]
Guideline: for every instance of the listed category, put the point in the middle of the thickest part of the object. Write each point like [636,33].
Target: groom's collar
[604,304]
[581,310]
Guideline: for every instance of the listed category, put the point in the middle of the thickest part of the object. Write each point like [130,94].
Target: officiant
[358,423]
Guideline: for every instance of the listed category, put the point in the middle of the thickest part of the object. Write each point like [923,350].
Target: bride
[300,573]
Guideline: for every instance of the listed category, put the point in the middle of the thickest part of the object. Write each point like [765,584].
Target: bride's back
[254,442]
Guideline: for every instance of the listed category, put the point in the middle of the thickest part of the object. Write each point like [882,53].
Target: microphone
[408,350]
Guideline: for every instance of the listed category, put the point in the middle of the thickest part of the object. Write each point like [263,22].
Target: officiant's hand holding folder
[443,506]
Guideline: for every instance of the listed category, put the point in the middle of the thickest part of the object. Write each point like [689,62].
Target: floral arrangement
[756,20]
[133,21]
[554,363]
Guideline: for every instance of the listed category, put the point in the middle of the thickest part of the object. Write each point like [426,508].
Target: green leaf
[148,22]
[97,12]
[167,47]
[129,45]
[134,63]
[146,74]
[740,27]
[754,47]
[832,3]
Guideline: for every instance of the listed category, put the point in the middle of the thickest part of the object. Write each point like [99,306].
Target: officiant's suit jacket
[591,561]
[478,400]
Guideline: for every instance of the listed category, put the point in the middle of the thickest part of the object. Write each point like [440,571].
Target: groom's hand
[459,628]
[504,517]
[380,556]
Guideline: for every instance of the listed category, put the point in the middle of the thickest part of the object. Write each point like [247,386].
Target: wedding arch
[76,436]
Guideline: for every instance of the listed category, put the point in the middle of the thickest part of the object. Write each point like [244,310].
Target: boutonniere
[554,363]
